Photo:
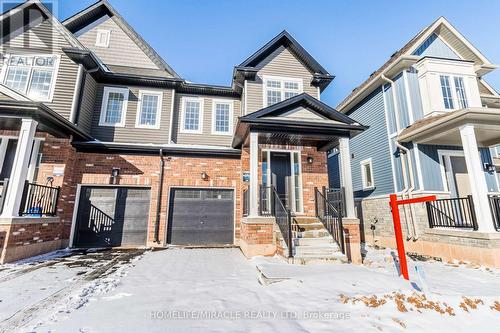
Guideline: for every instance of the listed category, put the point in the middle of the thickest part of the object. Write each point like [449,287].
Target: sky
[203,40]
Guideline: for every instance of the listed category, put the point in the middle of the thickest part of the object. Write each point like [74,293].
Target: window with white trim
[149,109]
[278,89]
[222,115]
[367,174]
[454,92]
[446,91]
[114,106]
[460,92]
[102,38]
[192,115]
[31,75]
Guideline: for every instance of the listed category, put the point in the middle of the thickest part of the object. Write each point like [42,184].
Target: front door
[457,176]
[280,175]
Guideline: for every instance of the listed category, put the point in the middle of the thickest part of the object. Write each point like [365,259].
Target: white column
[254,174]
[346,178]
[477,180]
[19,168]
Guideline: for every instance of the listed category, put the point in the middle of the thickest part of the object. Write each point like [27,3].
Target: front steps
[313,243]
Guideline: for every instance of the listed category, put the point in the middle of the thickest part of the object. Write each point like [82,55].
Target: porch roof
[444,129]
[299,120]
[12,112]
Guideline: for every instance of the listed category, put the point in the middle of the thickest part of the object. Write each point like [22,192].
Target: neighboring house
[143,157]
[434,124]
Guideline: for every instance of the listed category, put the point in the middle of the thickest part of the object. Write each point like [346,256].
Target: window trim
[231,114]
[158,108]
[453,91]
[185,99]
[55,72]
[362,164]
[108,37]
[266,78]
[104,103]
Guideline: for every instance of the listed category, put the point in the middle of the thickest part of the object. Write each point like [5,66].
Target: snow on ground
[218,290]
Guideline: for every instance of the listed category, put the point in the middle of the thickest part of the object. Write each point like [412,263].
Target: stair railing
[331,216]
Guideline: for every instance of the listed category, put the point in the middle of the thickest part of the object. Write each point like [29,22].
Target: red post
[399,236]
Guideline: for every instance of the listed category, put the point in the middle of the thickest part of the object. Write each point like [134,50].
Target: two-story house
[103,144]
[434,124]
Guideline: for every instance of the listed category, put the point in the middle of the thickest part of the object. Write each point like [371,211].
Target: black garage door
[201,217]
[112,216]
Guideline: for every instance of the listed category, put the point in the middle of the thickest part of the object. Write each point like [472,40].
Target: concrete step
[311,226]
[306,219]
[312,233]
[324,250]
[337,258]
[313,241]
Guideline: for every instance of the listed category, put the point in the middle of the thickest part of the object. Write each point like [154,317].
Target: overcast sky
[203,40]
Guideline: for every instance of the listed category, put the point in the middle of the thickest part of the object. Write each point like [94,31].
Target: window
[446,90]
[102,38]
[367,174]
[460,91]
[114,106]
[149,109]
[278,89]
[192,115]
[32,75]
[222,117]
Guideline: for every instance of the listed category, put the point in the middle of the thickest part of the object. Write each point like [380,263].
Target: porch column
[19,168]
[346,176]
[478,187]
[254,174]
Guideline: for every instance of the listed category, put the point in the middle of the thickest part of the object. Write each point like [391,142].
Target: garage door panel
[112,216]
[201,217]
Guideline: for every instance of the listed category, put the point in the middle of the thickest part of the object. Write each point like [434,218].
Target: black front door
[280,174]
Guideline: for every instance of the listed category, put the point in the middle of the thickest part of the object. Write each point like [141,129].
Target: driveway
[219,290]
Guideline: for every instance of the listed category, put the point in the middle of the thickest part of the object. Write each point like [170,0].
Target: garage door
[112,216]
[201,217]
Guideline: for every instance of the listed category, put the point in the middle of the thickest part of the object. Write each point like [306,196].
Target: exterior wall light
[310,160]
[490,168]
[204,175]
[115,172]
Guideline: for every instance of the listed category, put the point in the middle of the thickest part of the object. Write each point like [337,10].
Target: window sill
[111,125]
[371,188]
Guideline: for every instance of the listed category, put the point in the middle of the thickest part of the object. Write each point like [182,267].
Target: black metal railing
[495,210]
[246,202]
[38,200]
[452,213]
[3,192]
[270,204]
[336,196]
[330,215]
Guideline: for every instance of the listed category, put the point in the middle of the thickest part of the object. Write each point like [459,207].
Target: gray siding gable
[435,47]
[372,143]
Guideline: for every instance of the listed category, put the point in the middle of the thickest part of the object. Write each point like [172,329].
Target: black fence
[336,196]
[495,210]
[330,214]
[270,204]
[38,200]
[452,213]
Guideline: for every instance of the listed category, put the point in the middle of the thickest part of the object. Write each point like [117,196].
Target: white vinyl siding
[114,106]
[149,109]
[277,89]
[192,115]
[31,75]
[222,117]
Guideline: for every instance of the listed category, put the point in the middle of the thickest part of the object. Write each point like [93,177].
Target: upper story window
[277,89]
[149,109]
[192,115]
[367,174]
[114,107]
[102,38]
[222,117]
[454,95]
[31,75]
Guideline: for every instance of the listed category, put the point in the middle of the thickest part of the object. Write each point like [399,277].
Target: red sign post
[395,203]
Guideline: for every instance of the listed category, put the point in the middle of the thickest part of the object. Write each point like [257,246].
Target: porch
[284,164]
[467,170]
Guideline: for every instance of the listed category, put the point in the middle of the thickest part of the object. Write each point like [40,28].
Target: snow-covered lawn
[218,290]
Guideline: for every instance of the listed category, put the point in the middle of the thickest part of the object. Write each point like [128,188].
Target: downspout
[159,197]
[76,94]
[406,189]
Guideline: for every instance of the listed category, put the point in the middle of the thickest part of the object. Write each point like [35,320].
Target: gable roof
[440,27]
[102,8]
[247,68]
[8,21]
